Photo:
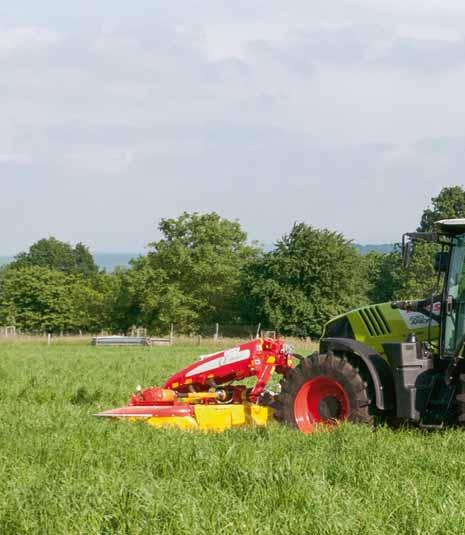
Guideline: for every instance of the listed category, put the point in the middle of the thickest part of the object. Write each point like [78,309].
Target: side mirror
[440,261]
[406,251]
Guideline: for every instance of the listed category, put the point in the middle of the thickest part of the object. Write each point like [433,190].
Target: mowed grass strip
[64,471]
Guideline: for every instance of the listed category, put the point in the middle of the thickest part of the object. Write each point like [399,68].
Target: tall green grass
[63,471]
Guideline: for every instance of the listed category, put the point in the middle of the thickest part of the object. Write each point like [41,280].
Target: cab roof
[450,226]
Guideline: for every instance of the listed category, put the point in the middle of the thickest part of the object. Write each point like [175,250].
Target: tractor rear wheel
[323,390]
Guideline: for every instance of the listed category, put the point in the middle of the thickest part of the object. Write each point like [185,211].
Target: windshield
[454,329]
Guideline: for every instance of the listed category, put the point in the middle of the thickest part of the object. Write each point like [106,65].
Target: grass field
[64,472]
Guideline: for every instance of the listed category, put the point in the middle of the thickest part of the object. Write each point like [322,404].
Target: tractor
[401,361]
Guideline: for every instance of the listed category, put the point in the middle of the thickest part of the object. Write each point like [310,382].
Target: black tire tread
[335,367]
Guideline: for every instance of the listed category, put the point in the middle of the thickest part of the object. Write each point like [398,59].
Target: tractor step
[432,426]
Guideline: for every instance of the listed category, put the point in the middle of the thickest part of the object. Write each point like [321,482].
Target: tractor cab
[450,261]
[453,296]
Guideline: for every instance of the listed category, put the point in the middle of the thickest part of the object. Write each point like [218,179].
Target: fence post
[171,333]
[217,332]
[49,339]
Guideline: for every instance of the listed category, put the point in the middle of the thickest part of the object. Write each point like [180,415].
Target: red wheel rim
[320,400]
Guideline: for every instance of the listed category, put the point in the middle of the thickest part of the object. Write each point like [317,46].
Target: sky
[346,114]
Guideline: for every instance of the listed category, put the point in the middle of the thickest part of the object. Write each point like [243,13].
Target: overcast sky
[344,114]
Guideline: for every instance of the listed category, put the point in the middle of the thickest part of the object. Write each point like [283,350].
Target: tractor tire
[460,399]
[323,390]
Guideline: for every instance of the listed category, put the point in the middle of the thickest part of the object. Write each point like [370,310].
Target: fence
[7,331]
[213,333]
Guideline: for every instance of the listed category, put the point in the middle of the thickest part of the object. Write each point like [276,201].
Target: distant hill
[363,249]
[108,261]
[379,248]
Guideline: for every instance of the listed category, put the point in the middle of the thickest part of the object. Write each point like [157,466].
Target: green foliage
[121,298]
[62,471]
[370,266]
[419,279]
[449,204]
[191,277]
[37,299]
[84,261]
[390,280]
[193,274]
[309,277]
[56,255]
[202,271]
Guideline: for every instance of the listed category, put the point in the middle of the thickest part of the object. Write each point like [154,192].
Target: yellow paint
[270,360]
[217,418]
[188,381]
[175,385]
[260,415]
[181,422]
[195,396]
[221,417]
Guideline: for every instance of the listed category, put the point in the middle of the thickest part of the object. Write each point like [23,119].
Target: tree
[449,204]
[125,291]
[311,276]
[37,299]
[59,256]
[390,280]
[370,266]
[192,275]
[84,262]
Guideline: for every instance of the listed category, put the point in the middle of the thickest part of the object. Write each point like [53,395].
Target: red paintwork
[154,396]
[224,369]
[307,401]
[257,358]
[146,411]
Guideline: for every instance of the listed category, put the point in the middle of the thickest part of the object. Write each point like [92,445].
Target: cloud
[26,38]
[426,56]
[332,113]
[12,158]
[356,45]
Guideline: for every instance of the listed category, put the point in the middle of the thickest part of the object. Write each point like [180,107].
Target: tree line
[203,270]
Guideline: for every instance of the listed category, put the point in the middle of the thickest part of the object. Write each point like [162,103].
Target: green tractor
[402,360]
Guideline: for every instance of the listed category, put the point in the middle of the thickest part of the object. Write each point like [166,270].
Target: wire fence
[222,335]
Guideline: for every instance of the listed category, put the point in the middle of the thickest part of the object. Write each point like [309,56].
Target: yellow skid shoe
[217,418]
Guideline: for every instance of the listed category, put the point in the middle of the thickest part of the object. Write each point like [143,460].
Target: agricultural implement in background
[403,360]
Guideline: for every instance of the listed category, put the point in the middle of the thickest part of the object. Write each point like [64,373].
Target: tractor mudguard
[379,370]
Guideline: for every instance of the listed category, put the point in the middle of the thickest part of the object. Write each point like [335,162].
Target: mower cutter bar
[147,411]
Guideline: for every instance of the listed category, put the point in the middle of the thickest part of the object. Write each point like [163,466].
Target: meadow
[62,471]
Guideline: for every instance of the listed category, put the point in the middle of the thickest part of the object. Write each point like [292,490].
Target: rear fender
[379,370]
